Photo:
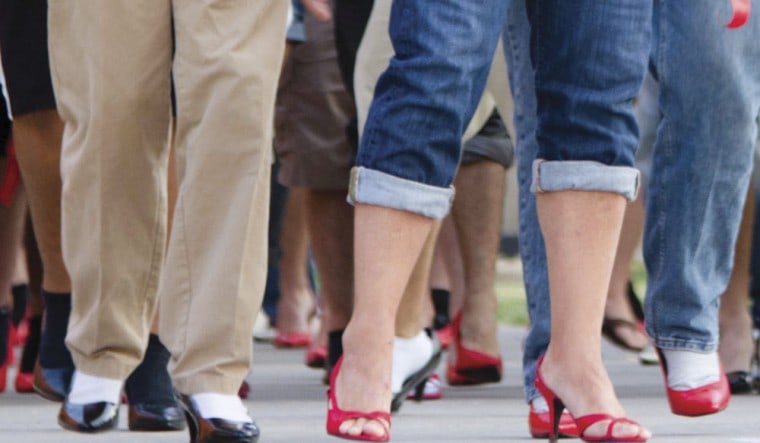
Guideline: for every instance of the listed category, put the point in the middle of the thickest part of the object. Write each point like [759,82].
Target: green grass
[510,293]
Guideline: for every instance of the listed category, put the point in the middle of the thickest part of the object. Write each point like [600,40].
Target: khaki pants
[111,63]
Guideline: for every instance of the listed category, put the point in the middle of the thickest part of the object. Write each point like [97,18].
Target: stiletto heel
[556,406]
[419,390]
[336,416]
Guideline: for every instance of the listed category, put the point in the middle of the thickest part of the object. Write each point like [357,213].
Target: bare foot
[585,388]
[294,310]
[626,333]
[363,386]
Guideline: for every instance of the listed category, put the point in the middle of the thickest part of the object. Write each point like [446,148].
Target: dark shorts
[491,143]
[23,45]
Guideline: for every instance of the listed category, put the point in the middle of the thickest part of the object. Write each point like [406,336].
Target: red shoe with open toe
[337,416]
[556,406]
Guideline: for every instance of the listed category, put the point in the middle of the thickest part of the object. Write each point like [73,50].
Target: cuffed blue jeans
[589,58]
[710,81]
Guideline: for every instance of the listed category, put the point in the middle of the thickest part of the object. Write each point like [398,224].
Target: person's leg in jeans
[689,238]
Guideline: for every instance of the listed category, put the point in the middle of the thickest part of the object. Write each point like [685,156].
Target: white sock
[690,369]
[540,405]
[93,389]
[228,407]
[409,356]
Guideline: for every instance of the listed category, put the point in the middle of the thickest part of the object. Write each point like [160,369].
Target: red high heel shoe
[703,400]
[471,367]
[336,416]
[557,406]
[316,356]
[540,424]
[24,382]
[292,339]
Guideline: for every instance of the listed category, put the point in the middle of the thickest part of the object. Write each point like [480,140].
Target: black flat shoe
[216,430]
[150,393]
[152,417]
[89,417]
[739,382]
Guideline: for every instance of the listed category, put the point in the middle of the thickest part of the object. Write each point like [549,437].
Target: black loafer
[154,417]
[217,430]
[88,417]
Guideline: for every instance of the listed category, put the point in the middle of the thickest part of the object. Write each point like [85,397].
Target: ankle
[691,369]
[224,406]
[409,356]
[87,388]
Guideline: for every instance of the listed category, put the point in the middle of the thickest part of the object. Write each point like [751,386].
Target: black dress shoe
[155,417]
[739,382]
[88,417]
[216,430]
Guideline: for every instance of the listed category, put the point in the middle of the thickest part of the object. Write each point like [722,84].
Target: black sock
[334,347]
[5,322]
[150,381]
[32,345]
[19,303]
[441,305]
[53,351]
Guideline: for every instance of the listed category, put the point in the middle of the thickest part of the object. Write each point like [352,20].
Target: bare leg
[477,216]
[439,281]
[331,227]
[409,320]
[38,141]
[448,244]
[296,303]
[11,229]
[736,344]
[618,306]
[581,230]
[387,244]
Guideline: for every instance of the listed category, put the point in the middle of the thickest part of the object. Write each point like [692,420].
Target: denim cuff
[551,176]
[373,187]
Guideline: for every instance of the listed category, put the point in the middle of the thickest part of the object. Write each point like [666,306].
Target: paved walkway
[288,402]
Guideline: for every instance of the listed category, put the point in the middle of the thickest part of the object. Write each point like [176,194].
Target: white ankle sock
[539,404]
[409,356]
[93,389]
[228,407]
[690,369]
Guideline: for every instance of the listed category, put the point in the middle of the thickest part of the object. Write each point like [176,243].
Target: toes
[362,426]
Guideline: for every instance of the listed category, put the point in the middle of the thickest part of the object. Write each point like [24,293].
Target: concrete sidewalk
[288,402]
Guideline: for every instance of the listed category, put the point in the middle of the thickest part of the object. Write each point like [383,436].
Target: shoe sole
[416,379]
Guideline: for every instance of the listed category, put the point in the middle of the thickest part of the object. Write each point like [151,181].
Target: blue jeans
[412,141]
[709,79]
[700,171]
